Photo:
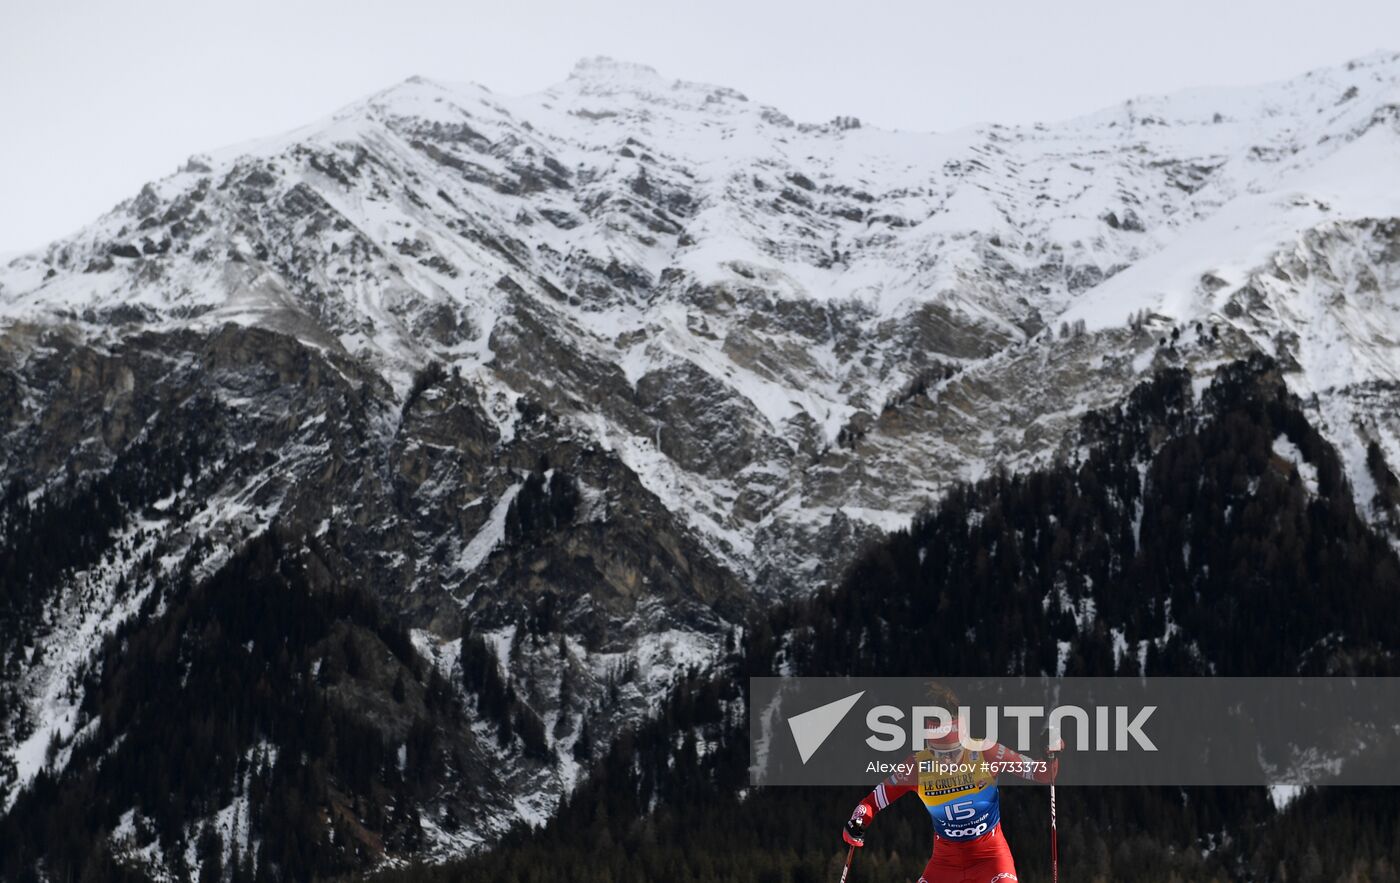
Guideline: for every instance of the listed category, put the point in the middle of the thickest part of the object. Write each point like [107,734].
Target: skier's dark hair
[941,695]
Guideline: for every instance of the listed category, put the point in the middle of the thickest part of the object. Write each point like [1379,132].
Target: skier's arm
[1014,763]
[885,793]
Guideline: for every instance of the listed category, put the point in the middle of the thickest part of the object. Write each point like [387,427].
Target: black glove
[854,832]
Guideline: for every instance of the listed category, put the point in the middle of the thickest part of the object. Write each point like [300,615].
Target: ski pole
[1054,744]
[850,853]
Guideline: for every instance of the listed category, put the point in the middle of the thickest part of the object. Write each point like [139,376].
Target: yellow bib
[941,781]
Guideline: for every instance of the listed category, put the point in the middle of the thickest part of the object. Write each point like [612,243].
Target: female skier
[959,788]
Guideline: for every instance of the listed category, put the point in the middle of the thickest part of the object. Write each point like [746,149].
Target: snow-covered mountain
[629,356]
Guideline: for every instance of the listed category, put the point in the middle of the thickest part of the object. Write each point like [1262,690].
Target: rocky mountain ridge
[589,373]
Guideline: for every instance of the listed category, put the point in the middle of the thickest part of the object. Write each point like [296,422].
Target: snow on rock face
[643,255]
[748,344]
[1287,451]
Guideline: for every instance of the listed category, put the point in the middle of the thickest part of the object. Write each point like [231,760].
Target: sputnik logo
[811,728]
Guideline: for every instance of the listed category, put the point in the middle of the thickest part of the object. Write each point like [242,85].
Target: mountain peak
[601,67]
[602,77]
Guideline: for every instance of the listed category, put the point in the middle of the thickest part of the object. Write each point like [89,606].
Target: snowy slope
[811,272]
[752,343]
[757,316]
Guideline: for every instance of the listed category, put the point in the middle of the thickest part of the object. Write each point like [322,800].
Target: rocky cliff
[565,384]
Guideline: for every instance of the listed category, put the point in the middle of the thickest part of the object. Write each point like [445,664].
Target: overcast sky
[98,97]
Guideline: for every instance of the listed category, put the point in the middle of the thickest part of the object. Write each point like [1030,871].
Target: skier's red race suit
[961,797]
